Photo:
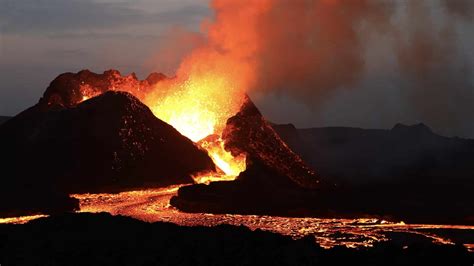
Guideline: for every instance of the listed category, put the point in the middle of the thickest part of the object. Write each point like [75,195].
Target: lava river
[152,205]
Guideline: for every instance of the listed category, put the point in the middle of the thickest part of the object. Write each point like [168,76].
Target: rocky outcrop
[109,143]
[276,180]
[248,132]
[257,190]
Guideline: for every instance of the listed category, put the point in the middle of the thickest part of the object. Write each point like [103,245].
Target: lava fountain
[210,87]
[210,84]
[198,107]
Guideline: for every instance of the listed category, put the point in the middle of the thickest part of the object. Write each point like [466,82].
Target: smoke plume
[308,49]
[439,88]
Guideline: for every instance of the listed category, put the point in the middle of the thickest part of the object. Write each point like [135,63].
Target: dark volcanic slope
[111,142]
[4,119]
[248,132]
[100,239]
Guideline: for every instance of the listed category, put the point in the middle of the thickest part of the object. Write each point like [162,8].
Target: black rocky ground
[4,119]
[101,239]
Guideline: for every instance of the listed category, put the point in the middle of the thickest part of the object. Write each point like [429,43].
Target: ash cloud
[308,48]
[312,50]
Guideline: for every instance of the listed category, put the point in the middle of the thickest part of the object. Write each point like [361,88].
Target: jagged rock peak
[248,132]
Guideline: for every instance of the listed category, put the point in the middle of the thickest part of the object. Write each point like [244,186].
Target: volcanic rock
[109,143]
[276,180]
[249,133]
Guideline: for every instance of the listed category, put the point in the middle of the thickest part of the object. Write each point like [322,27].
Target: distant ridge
[377,154]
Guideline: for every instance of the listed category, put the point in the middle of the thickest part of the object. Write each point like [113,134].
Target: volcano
[111,142]
[90,133]
[106,133]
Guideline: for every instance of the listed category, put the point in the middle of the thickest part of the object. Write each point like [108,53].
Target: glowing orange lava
[153,206]
[198,107]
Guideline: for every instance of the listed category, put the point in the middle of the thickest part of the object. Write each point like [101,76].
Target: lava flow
[153,206]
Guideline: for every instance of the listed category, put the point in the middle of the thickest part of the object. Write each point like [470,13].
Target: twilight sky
[39,39]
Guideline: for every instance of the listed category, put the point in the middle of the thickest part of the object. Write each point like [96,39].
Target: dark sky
[40,39]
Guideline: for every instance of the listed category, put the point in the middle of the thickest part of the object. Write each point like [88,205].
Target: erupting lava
[198,107]
[229,165]
[210,85]
[197,103]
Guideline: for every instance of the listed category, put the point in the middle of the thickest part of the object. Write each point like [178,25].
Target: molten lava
[229,166]
[198,107]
